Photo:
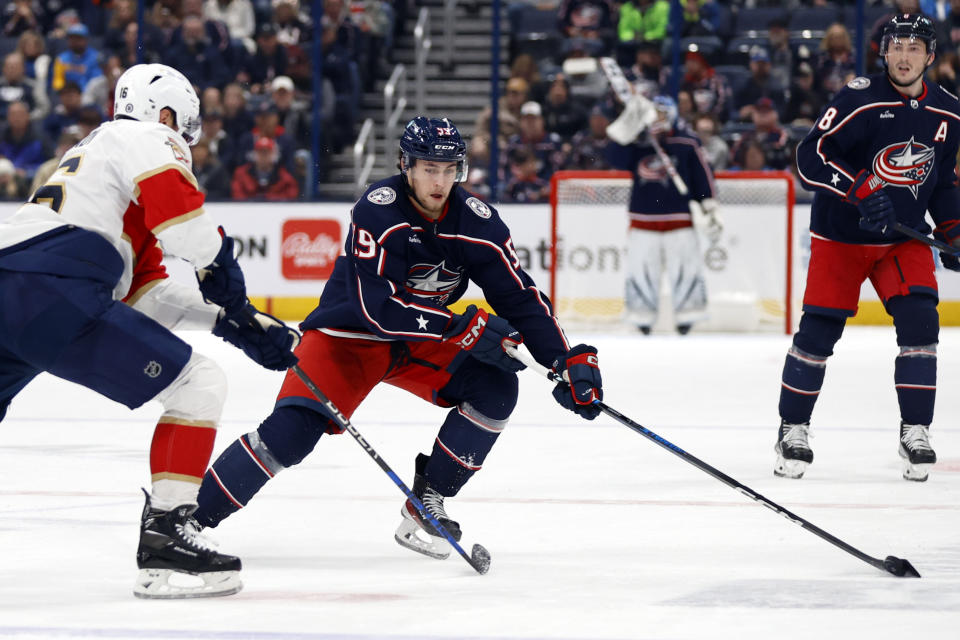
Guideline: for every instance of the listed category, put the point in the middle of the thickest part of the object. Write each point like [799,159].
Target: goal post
[749,270]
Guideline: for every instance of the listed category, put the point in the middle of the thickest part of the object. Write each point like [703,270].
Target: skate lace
[189,532]
[916,438]
[797,435]
[433,503]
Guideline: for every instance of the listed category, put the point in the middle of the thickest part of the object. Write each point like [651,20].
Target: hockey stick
[892,564]
[479,558]
[925,239]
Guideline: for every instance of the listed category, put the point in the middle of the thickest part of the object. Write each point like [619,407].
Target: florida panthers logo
[432,281]
[905,164]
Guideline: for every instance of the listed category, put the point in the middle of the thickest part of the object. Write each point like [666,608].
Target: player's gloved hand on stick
[638,114]
[221,282]
[264,339]
[708,216]
[485,337]
[949,233]
[876,208]
[580,368]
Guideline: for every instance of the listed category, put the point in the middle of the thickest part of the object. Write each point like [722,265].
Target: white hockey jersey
[131,182]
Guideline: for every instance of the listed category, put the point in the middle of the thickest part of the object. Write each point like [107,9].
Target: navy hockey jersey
[911,143]
[655,202]
[401,270]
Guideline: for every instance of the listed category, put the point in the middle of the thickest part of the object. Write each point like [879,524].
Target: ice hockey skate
[793,451]
[915,451]
[176,561]
[416,532]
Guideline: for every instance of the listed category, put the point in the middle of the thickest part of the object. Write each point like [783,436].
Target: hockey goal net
[748,270]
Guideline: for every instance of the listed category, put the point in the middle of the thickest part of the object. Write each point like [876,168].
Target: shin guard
[915,377]
[462,445]
[800,386]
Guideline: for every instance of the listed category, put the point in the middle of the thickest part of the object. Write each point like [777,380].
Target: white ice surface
[595,531]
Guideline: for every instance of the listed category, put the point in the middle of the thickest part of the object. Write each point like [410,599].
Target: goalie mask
[435,139]
[666,114]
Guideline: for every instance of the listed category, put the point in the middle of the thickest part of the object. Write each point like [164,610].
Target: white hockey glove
[638,114]
[706,216]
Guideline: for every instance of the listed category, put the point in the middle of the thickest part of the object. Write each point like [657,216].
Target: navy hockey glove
[264,339]
[485,337]
[221,282]
[580,368]
[949,232]
[876,207]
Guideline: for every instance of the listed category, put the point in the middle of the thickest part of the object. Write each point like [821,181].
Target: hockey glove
[706,217]
[949,232]
[581,370]
[876,208]
[264,339]
[221,282]
[638,114]
[485,337]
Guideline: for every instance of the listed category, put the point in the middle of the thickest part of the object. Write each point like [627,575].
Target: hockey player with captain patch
[882,152]
[415,240]
[83,261]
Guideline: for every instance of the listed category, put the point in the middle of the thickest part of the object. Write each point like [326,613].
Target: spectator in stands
[19,17]
[525,67]
[945,69]
[292,112]
[21,143]
[89,119]
[546,147]
[686,107]
[767,132]
[374,19]
[99,91]
[699,18]
[760,84]
[12,184]
[66,113]
[643,20]
[194,55]
[237,120]
[951,27]
[211,175]
[121,39]
[45,170]
[589,145]
[342,69]
[216,30]
[781,55]
[715,148]
[35,59]
[508,121]
[836,63]
[264,178]
[710,90]
[211,99]
[752,157]
[16,86]
[221,144]
[805,102]
[238,16]
[166,16]
[267,125]
[647,73]
[269,61]
[78,63]
[295,27]
[586,23]
[561,114]
[524,184]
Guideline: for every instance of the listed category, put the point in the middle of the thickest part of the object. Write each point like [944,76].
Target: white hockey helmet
[144,89]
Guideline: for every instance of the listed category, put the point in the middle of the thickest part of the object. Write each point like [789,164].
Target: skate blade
[793,469]
[410,535]
[915,472]
[167,584]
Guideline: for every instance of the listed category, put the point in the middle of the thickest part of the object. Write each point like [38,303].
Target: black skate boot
[416,532]
[171,546]
[793,451]
[915,450]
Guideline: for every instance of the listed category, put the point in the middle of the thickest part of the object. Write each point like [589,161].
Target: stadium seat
[534,31]
[756,21]
[805,48]
[871,14]
[7,45]
[736,76]
[814,20]
[738,49]
[710,46]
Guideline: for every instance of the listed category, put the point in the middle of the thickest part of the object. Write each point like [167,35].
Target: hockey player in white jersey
[87,299]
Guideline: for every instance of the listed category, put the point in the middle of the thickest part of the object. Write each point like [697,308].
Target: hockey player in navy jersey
[882,152]
[415,240]
[661,235]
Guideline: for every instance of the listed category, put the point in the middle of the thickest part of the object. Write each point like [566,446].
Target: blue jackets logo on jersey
[651,169]
[905,164]
[432,281]
[382,195]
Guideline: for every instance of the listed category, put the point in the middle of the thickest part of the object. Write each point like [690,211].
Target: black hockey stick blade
[900,567]
[892,564]
[479,559]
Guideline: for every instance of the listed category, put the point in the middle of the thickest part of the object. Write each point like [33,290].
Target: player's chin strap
[892,564]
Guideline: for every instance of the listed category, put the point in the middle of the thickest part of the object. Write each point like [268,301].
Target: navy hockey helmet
[909,26]
[435,139]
